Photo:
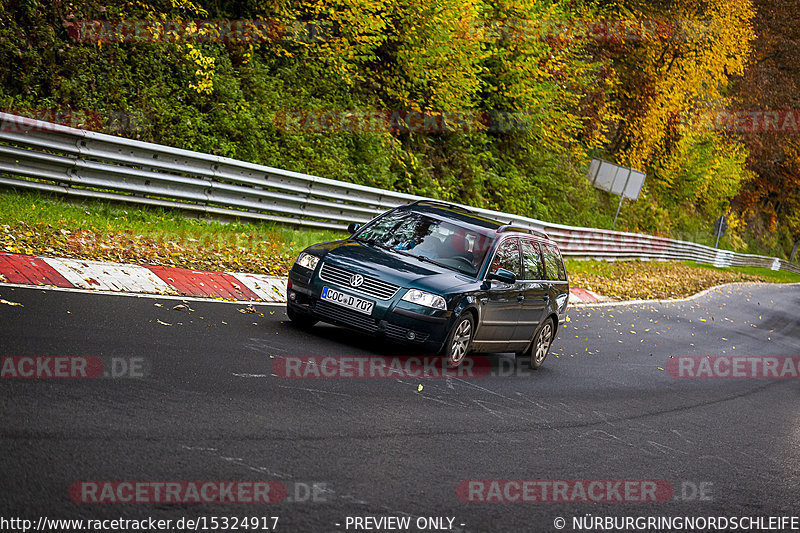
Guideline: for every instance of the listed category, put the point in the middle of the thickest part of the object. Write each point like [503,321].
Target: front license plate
[347,300]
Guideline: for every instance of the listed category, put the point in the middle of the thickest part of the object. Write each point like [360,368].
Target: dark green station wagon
[440,277]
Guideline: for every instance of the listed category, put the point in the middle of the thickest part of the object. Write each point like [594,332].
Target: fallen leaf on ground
[652,280]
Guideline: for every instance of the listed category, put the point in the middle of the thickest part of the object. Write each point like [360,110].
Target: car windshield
[444,243]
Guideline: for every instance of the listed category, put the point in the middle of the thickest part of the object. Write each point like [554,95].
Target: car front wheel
[540,346]
[300,319]
[458,341]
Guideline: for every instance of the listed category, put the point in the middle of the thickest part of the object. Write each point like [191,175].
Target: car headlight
[425,298]
[307,260]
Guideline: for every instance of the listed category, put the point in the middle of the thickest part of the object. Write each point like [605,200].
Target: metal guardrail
[59,159]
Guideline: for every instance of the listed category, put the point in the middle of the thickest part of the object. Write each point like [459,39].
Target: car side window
[507,256]
[554,266]
[532,260]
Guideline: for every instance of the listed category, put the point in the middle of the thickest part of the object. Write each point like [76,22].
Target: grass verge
[35,224]
[646,280]
[774,276]
[51,226]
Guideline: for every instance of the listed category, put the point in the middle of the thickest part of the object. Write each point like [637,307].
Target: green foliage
[562,99]
[703,172]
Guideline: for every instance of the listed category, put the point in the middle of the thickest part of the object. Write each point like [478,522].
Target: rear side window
[532,260]
[507,256]
[553,265]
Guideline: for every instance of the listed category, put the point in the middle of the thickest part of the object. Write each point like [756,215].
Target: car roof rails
[440,203]
[520,229]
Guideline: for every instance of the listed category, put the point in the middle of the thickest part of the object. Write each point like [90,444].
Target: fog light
[293,296]
[411,335]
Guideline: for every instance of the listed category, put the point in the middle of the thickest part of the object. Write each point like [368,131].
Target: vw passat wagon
[440,277]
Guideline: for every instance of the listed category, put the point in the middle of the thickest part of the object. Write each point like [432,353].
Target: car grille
[371,286]
[346,316]
[399,333]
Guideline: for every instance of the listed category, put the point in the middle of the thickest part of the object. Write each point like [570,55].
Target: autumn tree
[771,84]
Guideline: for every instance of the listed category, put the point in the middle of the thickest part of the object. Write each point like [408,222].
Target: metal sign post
[621,198]
[720,226]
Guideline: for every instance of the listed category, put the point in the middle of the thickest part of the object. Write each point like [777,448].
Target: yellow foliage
[204,75]
[690,71]
[334,34]
[703,168]
[433,69]
[189,7]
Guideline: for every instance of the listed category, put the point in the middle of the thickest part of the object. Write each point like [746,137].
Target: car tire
[456,347]
[541,344]
[300,319]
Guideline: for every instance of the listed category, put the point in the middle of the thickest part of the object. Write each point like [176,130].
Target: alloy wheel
[460,341]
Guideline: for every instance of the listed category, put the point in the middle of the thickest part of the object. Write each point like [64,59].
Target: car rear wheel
[300,319]
[458,341]
[542,341]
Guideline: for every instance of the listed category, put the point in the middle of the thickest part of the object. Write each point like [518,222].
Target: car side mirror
[501,274]
[353,227]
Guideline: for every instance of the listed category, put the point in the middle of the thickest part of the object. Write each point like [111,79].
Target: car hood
[390,266]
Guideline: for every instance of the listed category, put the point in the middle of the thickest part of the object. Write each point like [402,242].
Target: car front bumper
[394,319]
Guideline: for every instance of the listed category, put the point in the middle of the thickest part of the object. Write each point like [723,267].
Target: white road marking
[139,295]
[114,277]
[268,288]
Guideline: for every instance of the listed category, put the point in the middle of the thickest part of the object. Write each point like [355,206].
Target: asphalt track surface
[209,408]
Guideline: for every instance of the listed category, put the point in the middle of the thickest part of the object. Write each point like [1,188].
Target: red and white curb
[585,296]
[147,279]
[21,269]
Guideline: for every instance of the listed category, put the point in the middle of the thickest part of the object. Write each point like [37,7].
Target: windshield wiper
[449,267]
[429,260]
[423,258]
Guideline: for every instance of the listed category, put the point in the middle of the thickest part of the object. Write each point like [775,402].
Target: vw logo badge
[356,280]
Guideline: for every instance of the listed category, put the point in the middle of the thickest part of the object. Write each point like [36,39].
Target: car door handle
[520,297]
